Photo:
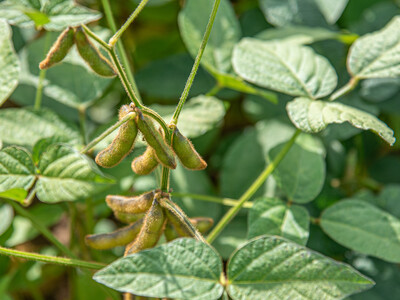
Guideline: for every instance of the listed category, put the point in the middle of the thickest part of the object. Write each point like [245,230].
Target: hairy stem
[348,87]
[70,262]
[196,64]
[252,189]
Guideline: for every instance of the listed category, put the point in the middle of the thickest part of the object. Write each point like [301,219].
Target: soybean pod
[186,153]
[59,49]
[201,223]
[131,205]
[122,144]
[145,163]
[127,218]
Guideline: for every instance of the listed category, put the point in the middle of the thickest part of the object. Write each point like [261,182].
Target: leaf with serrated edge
[67,175]
[363,227]
[377,54]
[183,269]
[314,116]
[291,69]
[274,217]
[275,268]
[9,63]
[16,169]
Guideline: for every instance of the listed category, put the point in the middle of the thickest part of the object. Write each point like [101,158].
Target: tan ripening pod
[120,237]
[122,144]
[186,153]
[151,230]
[145,163]
[59,49]
[131,205]
[97,62]
[127,218]
[164,153]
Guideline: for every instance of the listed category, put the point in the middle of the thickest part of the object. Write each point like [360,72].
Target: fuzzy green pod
[128,218]
[164,153]
[97,62]
[186,153]
[122,144]
[202,224]
[120,237]
[179,227]
[131,205]
[145,163]
[151,230]
[59,49]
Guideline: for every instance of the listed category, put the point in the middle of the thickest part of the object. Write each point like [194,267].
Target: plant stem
[95,37]
[196,64]
[252,189]
[42,76]
[106,133]
[348,87]
[223,201]
[128,22]
[165,179]
[120,46]
[51,259]
[41,228]
[214,90]
[82,122]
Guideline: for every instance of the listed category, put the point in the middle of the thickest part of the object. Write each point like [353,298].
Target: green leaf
[16,194]
[363,227]
[17,171]
[67,175]
[53,15]
[9,63]
[272,216]
[225,33]
[301,173]
[183,269]
[332,10]
[376,54]
[314,116]
[275,268]
[6,217]
[16,126]
[287,68]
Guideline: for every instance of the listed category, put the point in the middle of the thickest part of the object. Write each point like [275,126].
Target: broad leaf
[275,268]
[314,116]
[9,63]
[291,69]
[363,227]
[332,10]
[67,175]
[225,33]
[6,217]
[183,269]
[17,171]
[274,217]
[52,15]
[377,54]
[301,173]
[16,126]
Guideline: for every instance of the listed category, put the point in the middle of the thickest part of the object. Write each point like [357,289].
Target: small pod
[128,218]
[122,144]
[59,49]
[202,224]
[97,62]
[151,230]
[145,163]
[131,205]
[186,153]
[120,237]
[164,153]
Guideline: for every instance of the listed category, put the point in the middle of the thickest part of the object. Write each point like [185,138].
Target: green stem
[214,90]
[51,259]
[252,189]
[41,228]
[42,76]
[128,22]
[120,46]
[196,64]
[96,37]
[348,87]
[223,201]
[82,122]
[165,179]
[107,132]
[32,193]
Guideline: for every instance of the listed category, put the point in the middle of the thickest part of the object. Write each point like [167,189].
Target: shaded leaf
[275,268]
[67,175]
[287,68]
[274,217]
[158,273]
[332,10]
[9,63]
[314,116]
[6,217]
[363,227]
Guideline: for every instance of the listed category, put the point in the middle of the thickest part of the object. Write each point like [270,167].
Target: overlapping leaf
[274,268]
[182,269]
[291,69]
[314,116]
